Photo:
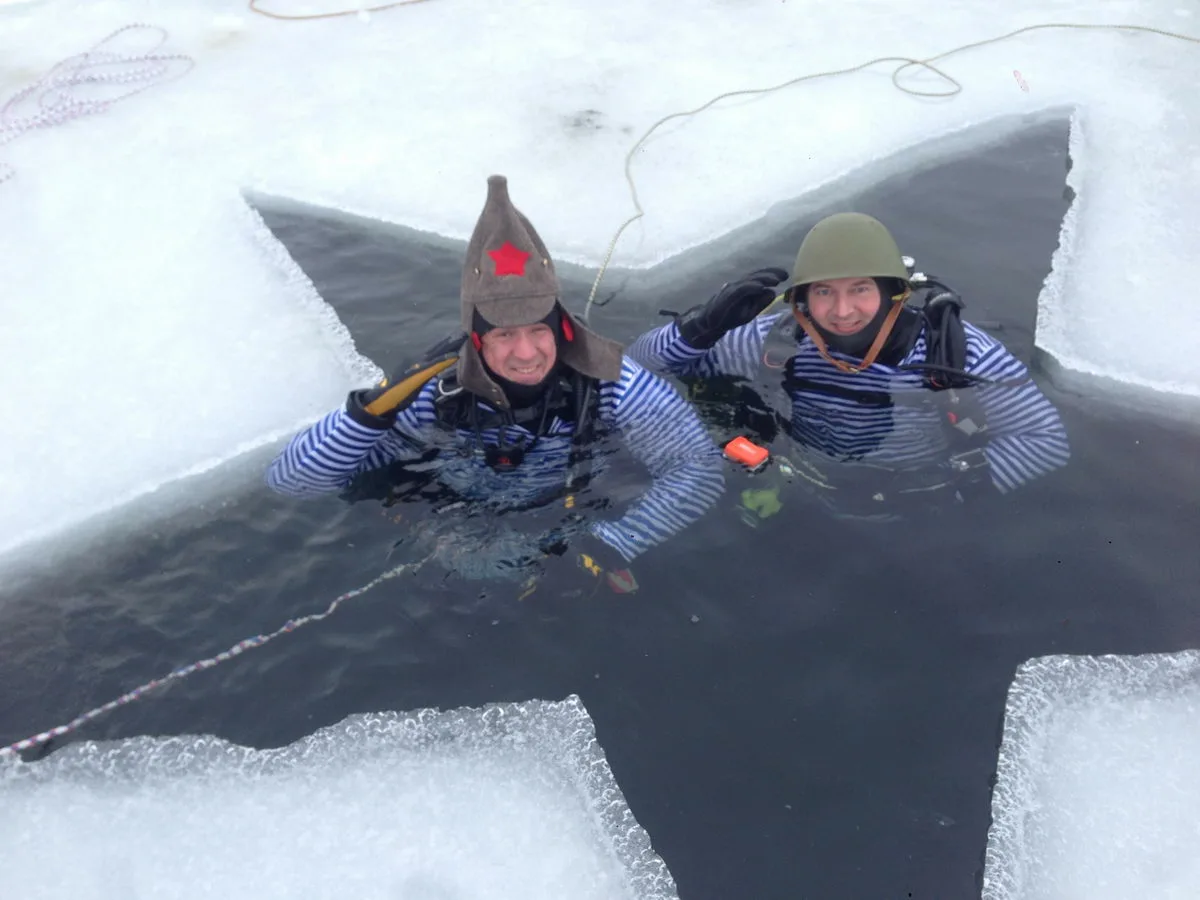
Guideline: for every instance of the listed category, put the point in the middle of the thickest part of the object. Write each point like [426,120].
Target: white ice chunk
[1140,200]
[135,361]
[510,802]
[1098,790]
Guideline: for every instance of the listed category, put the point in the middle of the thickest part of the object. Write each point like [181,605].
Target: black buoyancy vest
[572,397]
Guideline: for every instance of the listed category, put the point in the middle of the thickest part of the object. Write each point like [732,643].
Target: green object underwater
[758,505]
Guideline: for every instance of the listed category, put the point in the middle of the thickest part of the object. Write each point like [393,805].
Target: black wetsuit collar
[523,396]
[898,345]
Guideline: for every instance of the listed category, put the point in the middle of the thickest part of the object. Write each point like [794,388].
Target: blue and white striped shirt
[832,412]
[657,425]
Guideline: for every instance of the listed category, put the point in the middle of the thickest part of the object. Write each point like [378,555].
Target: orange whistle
[747,453]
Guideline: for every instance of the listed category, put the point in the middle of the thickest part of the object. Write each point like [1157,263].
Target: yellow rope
[252,5]
[906,62]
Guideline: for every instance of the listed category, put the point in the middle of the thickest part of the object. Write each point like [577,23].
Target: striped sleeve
[739,353]
[1027,438]
[328,455]
[666,436]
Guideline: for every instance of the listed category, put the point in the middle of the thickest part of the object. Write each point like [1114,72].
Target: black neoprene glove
[737,303]
[378,407]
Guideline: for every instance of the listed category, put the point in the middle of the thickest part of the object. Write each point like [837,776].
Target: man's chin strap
[876,345]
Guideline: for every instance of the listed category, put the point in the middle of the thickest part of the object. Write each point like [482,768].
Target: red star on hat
[509,260]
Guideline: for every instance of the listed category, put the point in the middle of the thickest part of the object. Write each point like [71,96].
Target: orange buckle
[746,452]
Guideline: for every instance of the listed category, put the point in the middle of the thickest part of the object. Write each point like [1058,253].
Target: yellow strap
[402,390]
[590,564]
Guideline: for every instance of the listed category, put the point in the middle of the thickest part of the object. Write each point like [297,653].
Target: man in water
[891,407]
[513,425]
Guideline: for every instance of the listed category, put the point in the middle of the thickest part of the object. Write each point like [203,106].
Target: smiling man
[511,413]
[891,406]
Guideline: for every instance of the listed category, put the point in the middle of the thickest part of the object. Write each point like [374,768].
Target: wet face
[844,305]
[524,354]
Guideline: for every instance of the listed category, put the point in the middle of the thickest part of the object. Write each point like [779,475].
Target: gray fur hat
[509,280]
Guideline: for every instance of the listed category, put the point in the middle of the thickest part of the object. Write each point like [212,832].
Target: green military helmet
[849,245]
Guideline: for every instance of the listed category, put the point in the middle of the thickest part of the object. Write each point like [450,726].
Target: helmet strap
[880,339]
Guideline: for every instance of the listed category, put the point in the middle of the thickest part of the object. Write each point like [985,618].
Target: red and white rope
[236,650]
[59,95]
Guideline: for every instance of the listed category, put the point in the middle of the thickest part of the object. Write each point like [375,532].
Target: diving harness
[570,397]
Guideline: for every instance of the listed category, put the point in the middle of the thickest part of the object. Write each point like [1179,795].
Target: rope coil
[54,93]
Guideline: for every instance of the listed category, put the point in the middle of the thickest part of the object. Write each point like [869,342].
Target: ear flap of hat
[473,377]
[589,353]
[585,352]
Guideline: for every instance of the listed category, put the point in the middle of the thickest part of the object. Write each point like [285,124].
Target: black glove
[378,407]
[737,303]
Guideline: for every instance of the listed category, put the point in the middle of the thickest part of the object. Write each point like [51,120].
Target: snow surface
[1098,786]
[511,801]
[153,328]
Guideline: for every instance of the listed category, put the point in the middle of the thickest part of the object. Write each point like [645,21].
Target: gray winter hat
[508,275]
[509,279]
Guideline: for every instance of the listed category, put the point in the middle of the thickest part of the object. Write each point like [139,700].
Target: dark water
[810,709]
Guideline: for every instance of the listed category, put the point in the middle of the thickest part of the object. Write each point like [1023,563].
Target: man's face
[843,305]
[524,354]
